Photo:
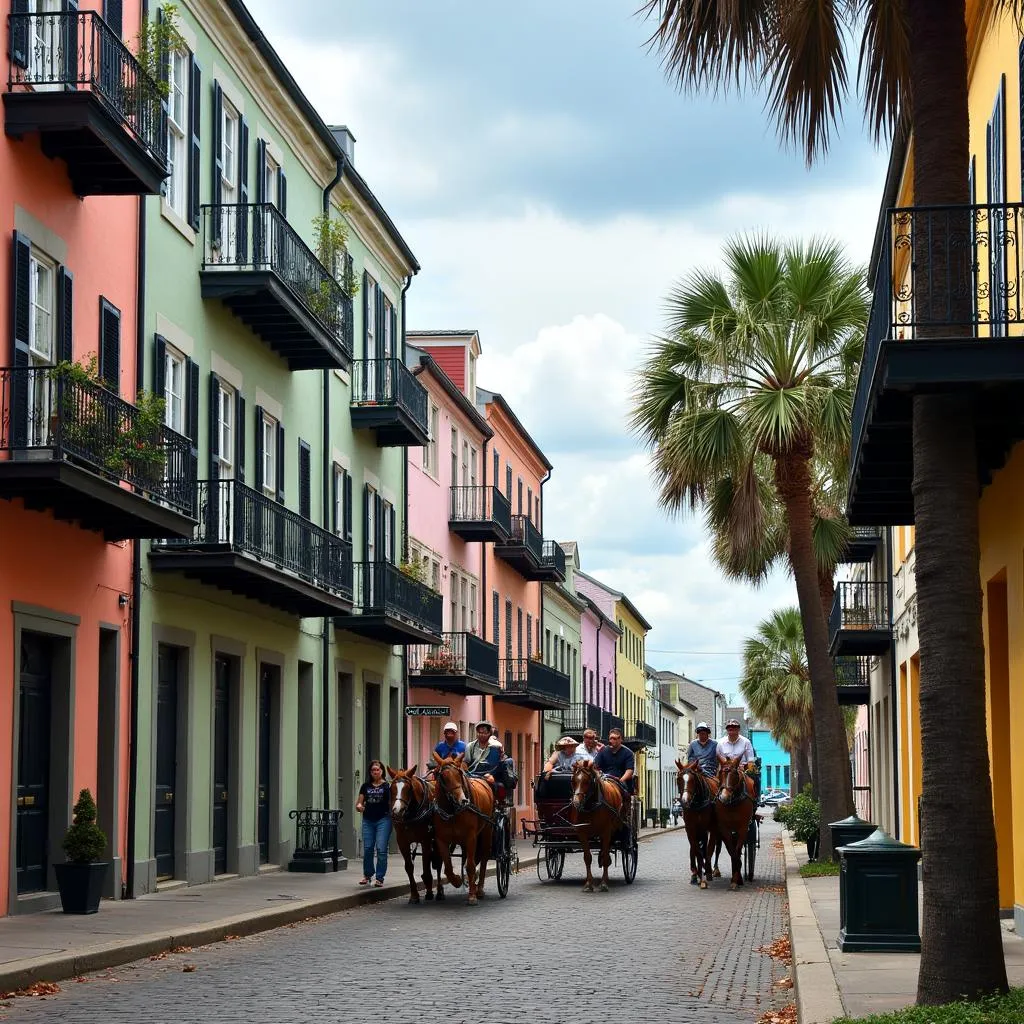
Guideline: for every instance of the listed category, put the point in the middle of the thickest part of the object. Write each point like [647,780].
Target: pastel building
[599,636]
[86,468]
[775,760]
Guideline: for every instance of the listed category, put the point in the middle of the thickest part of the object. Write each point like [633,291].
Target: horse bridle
[743,794]
[467,788]
[425,808]
[599,800]
[704,788]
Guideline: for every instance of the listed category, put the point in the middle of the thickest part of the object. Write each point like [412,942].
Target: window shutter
[391,539]
[495,616]
[159,365]
[110,345]
[17,44]
[280,463]
[282,192]
[70,45]
[217,164]
[112,15]
[21,317]
[260,452]
[378,503]
[346,505]
[65,322]
[529,635]
[305,485]
[192,403]
[379,331]
[261,170]
[243,192]
[367,498]
[367,354]
[214,441]
[239,437]
[335,479]
[195,85]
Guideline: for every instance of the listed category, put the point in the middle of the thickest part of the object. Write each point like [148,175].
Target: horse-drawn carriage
[561,828]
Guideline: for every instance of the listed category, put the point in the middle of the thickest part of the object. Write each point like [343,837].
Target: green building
[562,648]
[269,655]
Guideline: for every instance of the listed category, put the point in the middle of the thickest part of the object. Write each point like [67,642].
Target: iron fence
[480,503]
[458,654]
[383,589]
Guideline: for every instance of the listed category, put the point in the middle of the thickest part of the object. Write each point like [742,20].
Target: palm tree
[913,70]
[776,686]
[752,384]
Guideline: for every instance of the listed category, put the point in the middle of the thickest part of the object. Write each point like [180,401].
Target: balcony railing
[553,558]
[863,605]
[577,718]
[525,534]
[640,734]
[613,722]
[852,672]
[389,382]
[538,684]
[458,654]
[383,589]
[47,412]
[481,504]
[238,518]
[256,237]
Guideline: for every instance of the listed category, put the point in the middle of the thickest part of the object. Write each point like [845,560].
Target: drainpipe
[325,512]
[893,695]
[405,538]
[136,623]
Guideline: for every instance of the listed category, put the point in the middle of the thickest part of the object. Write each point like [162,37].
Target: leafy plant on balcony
[330,237]
[440,660]
[414,570]
[144,92]
[536,656]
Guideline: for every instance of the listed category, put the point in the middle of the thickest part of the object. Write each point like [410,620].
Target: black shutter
[72,75]
[497,469]
[21,318]
[367,354]
[346,505]
[192,403]
[391,539]
[243,191]
[194,113]
[367,498]
[214,442]
[335,475]
[17,44]
[261,170]
[496,617]
[305,486]
[379,331]
[280,463]
[217,164]
[378,508]
[260,452]
[159,365]
[110,345]
[65,321]
[282,192]
[112,15]
[240,437]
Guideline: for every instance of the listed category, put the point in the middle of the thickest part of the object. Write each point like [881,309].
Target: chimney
[346,140]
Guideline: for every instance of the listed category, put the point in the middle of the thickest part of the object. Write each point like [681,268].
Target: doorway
[164,829]
[108,751]
[222,708]
[371,724]
[346,757]
[267,755]
[1000,740]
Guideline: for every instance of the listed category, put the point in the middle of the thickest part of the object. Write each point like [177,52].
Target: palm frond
[883,69]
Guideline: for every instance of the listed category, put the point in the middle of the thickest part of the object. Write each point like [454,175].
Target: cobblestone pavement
[660,950]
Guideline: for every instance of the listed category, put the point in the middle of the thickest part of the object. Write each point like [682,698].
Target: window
[472,467]
[465,464]
[268,440]
[228,151]
[435,575]
[529,504]
[508,481]
[508,627]
[453,615]
[472,607]
[42,323]
[519,632]
[387,516]
[497,468]
[226,431]
[430,449]
[371,524]
[271,172]
[370,308]
[177,130]
[174,389]
[464,603]
[455,457]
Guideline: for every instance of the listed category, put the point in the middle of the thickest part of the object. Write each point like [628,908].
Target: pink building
[599,635]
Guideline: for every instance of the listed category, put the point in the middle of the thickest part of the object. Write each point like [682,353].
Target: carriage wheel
[557,864]
[630,853]
[503,862]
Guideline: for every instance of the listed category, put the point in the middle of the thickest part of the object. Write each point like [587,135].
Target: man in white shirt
[732,744]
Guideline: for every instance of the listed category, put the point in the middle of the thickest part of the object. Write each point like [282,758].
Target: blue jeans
[375,837]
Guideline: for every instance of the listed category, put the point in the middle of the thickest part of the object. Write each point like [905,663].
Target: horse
[734,811]
[412,810]
[596,809]
[697,795]
[463,814]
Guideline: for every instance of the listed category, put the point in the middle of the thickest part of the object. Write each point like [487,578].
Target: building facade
[562,617]
[775,761]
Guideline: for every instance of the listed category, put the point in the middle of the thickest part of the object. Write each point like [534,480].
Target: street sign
[427,711]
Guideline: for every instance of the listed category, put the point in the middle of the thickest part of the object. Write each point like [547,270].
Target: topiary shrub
[85,841]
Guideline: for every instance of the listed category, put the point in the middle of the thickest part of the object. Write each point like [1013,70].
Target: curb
[818,1000]
[61,966]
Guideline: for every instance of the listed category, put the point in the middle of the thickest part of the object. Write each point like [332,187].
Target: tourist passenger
[374,803]
[450,745]
[564,757]
[616,760]
[703,749]
[590,745]
[732,744]
[483,755]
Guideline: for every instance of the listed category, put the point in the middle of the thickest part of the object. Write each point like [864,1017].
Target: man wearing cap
[483,755]
[450,745]
[564,757]
[590,745]
[703,749]
[616,760]
[732,744]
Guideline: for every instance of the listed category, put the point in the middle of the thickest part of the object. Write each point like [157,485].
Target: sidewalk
[829,983]
[52,946]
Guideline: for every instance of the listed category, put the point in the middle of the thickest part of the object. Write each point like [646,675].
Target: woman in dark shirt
[375,805]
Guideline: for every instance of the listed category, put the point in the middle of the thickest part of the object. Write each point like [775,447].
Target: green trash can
[878,896]
[849,830]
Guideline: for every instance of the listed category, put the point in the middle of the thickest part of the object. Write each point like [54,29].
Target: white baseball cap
[494,742]
[450,725]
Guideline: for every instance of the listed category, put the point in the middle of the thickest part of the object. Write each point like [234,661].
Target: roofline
[507,409]
[890,193]
[601,615]
[619,596]
[427,362]
[570,598]
[365,192]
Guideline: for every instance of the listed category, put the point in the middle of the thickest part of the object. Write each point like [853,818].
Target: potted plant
[803,819]
[81,879]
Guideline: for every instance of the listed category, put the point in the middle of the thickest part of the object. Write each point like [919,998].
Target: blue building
[774,760]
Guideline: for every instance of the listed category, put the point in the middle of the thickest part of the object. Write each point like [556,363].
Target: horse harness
[470,806]
[744,795]
[706,789]
[599,800]
[425,809]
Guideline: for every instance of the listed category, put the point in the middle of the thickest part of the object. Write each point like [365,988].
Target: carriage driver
[483,755]
[450,744]
[732,744]
[704,750]
[616,760]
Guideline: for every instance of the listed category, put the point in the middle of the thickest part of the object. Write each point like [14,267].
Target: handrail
[389,382]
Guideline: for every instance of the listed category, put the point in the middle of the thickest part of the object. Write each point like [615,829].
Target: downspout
[893,696]
[405,541]
[483,574]
[325,513]
[540,614]
[136,623]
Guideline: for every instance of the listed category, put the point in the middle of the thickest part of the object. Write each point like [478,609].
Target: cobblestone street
[657,951]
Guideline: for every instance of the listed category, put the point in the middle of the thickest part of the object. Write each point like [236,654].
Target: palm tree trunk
[801,766]
[827,590]
[961,950]
[832,770]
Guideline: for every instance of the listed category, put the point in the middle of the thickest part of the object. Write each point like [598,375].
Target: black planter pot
[81,886]
[812,848]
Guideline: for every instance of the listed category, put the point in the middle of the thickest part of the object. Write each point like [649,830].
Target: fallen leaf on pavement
[37,988]
[231,938]
[188,968]
[181,949]
[81,980]
[787,1015]
[778,950]
[784,983]
[158,956]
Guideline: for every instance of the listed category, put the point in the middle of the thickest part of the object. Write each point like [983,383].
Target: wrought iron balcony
[389,400]
[638,734]
[552,563]
[532,684]
[248,543]
[460,663]
[863,543]
[853,680]
[480,512]
[255,263]
[577,718]
[524,549]
[72,80]
[68,444]
[946,316]
[859,623]
[613,722]
[392,607]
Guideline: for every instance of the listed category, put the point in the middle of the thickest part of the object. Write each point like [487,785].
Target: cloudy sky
[553,185]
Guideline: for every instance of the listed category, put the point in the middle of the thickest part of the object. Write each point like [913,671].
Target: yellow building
[985,265]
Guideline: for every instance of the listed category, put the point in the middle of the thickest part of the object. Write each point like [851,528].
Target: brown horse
[463,812]
[734,811]
[412,813]
[597,809]
[697,795]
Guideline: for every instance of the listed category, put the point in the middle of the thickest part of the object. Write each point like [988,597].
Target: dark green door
[221,760]
[166,758]
[33,811]
[263,800]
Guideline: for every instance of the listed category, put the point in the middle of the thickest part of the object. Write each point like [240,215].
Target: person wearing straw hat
[565,755]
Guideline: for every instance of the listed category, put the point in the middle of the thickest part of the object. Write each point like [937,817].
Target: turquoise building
[775,763]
